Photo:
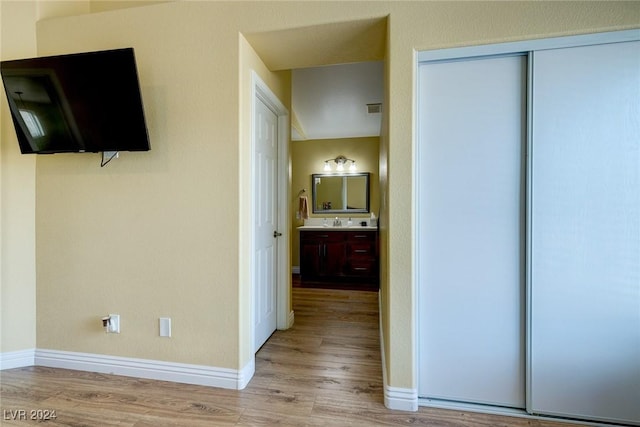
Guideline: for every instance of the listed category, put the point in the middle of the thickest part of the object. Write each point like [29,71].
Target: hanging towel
[303,207]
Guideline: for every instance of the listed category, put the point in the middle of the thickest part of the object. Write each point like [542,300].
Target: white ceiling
[331,101]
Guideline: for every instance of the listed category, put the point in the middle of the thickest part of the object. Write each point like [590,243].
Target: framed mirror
[348,193]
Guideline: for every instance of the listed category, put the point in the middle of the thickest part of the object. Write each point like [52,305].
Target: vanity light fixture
[341,162]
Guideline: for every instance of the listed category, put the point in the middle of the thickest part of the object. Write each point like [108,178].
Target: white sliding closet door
[471,204]
[585,259]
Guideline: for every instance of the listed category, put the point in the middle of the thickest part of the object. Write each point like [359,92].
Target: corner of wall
[17,203]
[396,398]
[17,359]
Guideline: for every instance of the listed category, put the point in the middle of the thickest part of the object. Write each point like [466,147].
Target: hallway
[329,362]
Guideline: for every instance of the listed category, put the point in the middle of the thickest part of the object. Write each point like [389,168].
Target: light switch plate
[165,327]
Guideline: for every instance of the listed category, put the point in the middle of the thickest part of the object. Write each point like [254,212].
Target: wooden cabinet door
[310,258]
[334,259]
[322,254]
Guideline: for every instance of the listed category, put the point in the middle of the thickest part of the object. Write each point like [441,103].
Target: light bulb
[327,167]
[340,167]
[352,168]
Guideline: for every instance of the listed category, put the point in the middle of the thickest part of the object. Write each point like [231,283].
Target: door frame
[284,318]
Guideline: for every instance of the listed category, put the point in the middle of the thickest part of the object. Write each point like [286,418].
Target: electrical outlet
[114,323]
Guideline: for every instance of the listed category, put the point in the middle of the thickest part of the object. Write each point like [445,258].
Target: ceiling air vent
[374,108]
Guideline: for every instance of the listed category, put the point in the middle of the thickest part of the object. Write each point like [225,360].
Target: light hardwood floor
[325,371]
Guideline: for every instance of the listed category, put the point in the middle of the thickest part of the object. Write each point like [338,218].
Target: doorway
[286,50]
[331,105]
[269,223]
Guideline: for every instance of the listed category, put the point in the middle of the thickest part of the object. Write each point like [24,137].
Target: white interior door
[585,250]
[471,225]
[266,222]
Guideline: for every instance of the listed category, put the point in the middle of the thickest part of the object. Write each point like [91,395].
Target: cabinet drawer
[362,267]
[361,236]
[361,250]
[324,236]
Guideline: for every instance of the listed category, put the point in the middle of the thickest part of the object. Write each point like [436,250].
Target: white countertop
[354,227]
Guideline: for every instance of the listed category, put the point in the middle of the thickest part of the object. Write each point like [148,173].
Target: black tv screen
[86,102]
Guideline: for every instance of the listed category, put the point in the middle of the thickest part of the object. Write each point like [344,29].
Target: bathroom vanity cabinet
[342,258]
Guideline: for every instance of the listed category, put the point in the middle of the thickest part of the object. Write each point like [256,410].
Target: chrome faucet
[337,222]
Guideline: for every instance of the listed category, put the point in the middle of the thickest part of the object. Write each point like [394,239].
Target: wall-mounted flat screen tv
[86,102]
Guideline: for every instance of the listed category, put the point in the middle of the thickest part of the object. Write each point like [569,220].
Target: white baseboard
[400,399]
[245,374]
[149,369]
[397,398]
[17,359]
[291,318]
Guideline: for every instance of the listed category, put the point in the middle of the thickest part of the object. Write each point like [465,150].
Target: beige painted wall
[17,180]
[307,157]
[17,198]
[17,183]
[152,234]
[165,233]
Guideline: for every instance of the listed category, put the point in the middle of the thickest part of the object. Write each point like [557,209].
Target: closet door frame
[526,47]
